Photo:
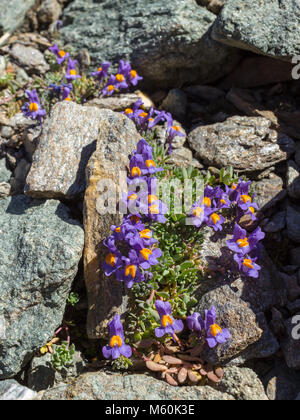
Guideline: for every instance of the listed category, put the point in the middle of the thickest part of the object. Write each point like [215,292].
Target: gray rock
[295,256]
[49,11]
[269,192]
[30,58]
[19,122]
[40,248]
[242,384]
[6,132]
[110,161]
[293,223]
[237,317]
[22,77]
[10,390]
[41,375]
[105,386]
[265,347]
[13,13]
[277,223]
[182,157]
[19,178]
[168,43]
[175,103]
[58,167]
[275,36]
[293,180]
[260,294]
[5,173]
[247,143]
[290,345]
[115,103]
[207,93]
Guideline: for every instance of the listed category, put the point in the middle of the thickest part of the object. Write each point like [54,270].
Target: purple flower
[242,243]
[198,215]
[117,346]
[33,109]
[102,71]
[132,113]
[214,333]
[110,87]
[247,265]
[148,257]
[131,272]
[130,74]
[64,88]
[215,221]
[172,130]
[71,70]
[61,55]
[112,262]
[134,78]
[195,323]
[169,325]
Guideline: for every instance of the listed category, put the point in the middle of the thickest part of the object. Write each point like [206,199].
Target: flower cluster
[125,77]
[134,237]
[71,73]
[208,328]
[148,120]
[208,211]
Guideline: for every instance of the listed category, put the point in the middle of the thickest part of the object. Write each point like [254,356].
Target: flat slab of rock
[13,13]
[10,390]
[115,103]
[247,143]
[116,142]
[65,146]
[237,317]
[167,42]
[40,248]
[276,34]
[29,58]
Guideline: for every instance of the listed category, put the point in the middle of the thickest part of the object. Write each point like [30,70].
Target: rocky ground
[223,68]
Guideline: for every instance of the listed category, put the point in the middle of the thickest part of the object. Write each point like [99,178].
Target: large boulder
[167,42]
[268,27]
[238,384]
[64,148]
[40,248]
[116,142]
[13,13]
[247,143]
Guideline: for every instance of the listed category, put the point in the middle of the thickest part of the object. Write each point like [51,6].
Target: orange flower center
[234,187]
[215,330]
[215,218]
[166,319]
[61,53]
[128,111]
[110,260]
[133,74]
[99,69]
[115,340]
[120,78]
[73,72]
[145,253]
[206,201]
[146,234]
[150,163]
[252,209]
[248,263]
[130,270]
[118,229]
[198,211]
[152,198]
[176,128]
[68,99]
[246,198]
[242,243]
[33,107]
[132,197]
[154,209]
[136,171]
[222,201]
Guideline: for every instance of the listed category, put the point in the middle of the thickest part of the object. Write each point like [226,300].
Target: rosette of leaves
[62,356]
